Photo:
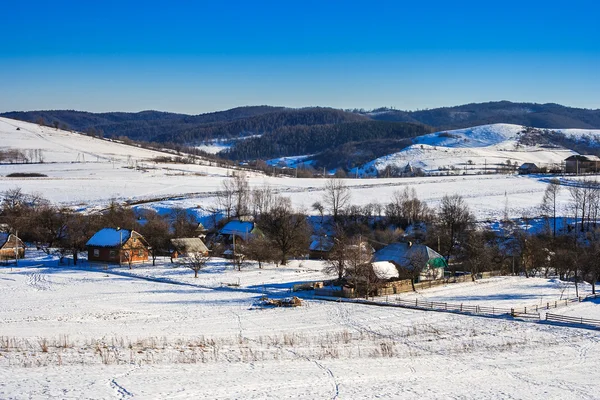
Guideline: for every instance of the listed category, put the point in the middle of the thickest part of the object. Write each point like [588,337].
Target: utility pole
[120,245]
[16,248]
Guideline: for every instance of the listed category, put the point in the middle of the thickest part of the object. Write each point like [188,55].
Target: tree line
[567,247]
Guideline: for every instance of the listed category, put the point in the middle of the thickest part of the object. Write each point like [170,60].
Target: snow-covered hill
[475,150]
[65,146]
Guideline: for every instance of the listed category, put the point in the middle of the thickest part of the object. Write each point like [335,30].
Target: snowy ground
[92,333]
[86,173]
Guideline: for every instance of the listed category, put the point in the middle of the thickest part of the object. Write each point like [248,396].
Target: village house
[408,256]
[528,168]
[582,164]
[320,247]
[188,247]
[241,230]
[11,247]
[117,246]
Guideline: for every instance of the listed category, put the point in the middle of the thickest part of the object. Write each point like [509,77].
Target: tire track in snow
[328,371]
[38,281]
[120,391]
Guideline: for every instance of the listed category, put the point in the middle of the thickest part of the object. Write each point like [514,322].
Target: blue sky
[196,56]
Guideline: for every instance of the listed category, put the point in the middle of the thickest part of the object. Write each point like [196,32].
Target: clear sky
[200,56]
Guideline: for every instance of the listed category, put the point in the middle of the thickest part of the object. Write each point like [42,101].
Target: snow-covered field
[86,332]
[156,332]
[86,172]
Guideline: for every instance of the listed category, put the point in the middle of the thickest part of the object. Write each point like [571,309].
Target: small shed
[11,247]
[320,247]
[186,247]
[405,255]
[117,246]
[528,168]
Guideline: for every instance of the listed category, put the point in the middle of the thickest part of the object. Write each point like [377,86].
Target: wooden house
[117,246]
[11,247]
[582,164]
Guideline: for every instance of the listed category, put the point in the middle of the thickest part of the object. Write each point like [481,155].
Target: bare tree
[339,256]
[157,234]
[336,196]
[241,191]
[262,200]
[549,201]
[260,249]
[196,262]
[183,224]
[455,219]
[226,197]
[287,230]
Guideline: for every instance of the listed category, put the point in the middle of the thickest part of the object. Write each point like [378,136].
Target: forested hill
[297,140]
[551,116]
[338,137]
[155,126]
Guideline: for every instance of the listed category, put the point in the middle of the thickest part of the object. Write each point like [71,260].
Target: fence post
[460,307]
[548,306]
[555,304]
[512,312]
[525,311]
[416,302]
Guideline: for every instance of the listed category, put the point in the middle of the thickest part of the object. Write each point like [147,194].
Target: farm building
[320,248]
[582,164]
[407,256]
[241,230]
[528,168]
[11,247]
[117,246]
[186,247]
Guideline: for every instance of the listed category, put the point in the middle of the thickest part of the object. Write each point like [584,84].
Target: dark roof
[583,157]
[321,244]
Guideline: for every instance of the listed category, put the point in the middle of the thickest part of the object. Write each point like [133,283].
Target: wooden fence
[572,320]
[461,308]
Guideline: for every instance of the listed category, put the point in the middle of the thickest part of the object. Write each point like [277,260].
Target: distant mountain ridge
[550,115]
[339,138]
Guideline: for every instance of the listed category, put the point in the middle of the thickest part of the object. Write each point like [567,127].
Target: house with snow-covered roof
[117,246]
[407,257]
[241,230]
[11,247]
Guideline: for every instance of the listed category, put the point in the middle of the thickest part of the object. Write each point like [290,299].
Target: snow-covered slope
[64,146]
[472,150]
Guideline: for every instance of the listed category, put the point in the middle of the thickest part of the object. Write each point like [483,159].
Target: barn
[582,164]
[117,246]
[11,247]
